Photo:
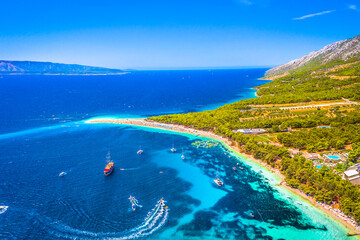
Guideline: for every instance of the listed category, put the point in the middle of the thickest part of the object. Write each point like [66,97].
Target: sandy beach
[330,211]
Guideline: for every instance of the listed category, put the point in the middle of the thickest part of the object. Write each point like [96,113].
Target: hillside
[310,109]
[30,67]
[343,50]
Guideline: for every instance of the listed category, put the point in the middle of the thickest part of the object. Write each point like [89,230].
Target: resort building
[333,158]
[352,174]
[354,167]
[250,131]
[311,156]
[294,151]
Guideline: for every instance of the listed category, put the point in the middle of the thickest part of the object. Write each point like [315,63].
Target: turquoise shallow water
[86,205]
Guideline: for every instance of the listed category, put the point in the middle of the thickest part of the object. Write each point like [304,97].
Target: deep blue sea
[43,133]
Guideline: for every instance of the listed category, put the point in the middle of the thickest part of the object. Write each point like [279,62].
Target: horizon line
[196,68]
[148,68]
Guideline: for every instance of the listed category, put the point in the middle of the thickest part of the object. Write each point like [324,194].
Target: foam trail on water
[128,169]
[38,130]
[51,128]
[152,222]
[160,211]
[152,214]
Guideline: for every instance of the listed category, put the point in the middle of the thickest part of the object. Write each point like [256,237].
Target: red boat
[109,166]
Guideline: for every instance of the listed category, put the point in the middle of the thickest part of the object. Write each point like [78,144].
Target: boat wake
[3,209]
[134,203]
[128,169]
[155,219]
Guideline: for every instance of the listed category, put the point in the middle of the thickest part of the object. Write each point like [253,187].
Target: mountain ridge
[343,50]
[34,67]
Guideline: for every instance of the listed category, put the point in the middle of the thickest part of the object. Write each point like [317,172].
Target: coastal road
[321,105]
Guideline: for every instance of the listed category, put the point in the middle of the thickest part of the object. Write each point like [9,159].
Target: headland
[335,214]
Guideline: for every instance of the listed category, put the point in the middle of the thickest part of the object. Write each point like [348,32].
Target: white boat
[3,209]
[140,151]
[62,174]
[217,180]
[182,154]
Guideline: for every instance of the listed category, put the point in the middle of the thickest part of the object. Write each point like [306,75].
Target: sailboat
[109,166]
[217,180]
[140,151]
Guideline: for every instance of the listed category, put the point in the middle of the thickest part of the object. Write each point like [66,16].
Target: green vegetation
[354,155]
[353,71]
[324,185]
[311,85]
[317,139]
[296,128]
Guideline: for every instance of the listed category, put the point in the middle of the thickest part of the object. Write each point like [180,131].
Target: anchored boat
[109,166]
[218,181]
[140,151]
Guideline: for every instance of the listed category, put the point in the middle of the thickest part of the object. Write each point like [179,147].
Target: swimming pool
[333,157]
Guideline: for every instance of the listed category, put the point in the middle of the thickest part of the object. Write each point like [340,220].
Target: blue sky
[159,34]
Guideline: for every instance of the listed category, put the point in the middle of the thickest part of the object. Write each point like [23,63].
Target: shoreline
[182,129]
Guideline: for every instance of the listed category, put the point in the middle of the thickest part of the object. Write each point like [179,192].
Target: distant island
[31,67]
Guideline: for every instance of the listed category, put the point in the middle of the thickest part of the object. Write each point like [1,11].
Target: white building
[352,174]
[250,131]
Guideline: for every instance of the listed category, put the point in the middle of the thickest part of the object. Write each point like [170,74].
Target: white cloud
[313,15]
[353,7]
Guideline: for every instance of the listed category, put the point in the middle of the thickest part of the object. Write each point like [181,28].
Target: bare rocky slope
[341,50]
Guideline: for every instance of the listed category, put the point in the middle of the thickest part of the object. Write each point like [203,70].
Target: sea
[43,132]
